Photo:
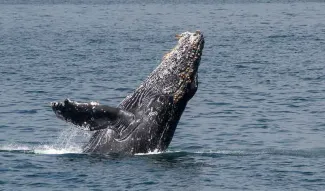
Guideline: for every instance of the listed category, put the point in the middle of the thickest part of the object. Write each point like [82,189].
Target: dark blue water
[257,121]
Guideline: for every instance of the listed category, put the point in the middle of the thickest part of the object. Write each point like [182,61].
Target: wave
[40,149]
[305,153]
[73,149]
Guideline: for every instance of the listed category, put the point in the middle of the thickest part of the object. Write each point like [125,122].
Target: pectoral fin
[91,116]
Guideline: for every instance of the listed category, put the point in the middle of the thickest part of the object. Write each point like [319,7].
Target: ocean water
[257,121]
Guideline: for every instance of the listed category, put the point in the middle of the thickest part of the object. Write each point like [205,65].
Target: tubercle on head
[178,94]
[189,37]
[185,58]
[185,79]
[193,52]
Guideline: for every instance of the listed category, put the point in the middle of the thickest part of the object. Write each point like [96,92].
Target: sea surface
[257,121]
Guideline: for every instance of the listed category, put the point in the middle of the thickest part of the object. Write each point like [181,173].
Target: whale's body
[146,120]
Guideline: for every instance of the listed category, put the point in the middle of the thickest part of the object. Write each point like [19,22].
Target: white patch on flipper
[94,103]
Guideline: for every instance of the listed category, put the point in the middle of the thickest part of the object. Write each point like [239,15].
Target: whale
[146,120]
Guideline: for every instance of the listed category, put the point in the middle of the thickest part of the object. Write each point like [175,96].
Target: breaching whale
[146,120]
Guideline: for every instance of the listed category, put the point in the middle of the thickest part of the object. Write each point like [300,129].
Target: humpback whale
[145,121]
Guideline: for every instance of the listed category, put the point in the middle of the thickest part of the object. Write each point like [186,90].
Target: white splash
[14,147]
[154,152]
[70,141]
[40,149]
[50,149]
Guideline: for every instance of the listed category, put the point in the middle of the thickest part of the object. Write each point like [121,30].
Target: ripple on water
[255,123]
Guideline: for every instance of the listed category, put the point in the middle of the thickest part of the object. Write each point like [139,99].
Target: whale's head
[177,73]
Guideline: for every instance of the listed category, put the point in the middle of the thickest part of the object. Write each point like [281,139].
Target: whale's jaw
[177,73]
